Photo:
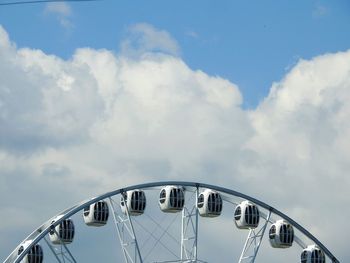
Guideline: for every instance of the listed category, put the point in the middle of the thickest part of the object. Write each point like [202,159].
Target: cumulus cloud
[102,121]
[302,139]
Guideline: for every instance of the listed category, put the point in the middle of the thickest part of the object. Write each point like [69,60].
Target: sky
[251,96]
[250,43]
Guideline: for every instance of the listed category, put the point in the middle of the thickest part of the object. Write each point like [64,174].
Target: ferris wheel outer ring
[44,229]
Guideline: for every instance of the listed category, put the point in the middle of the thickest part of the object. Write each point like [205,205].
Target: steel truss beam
[189,232]
[253,242]
[126,234]
[62,254]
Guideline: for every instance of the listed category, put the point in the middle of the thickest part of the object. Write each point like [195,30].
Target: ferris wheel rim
[39,233]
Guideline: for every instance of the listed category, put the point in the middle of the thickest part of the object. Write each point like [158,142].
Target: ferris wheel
[171,222]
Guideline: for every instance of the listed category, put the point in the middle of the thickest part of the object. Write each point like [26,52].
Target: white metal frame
[253,242]
[126,233]
[189,232]
[61,253]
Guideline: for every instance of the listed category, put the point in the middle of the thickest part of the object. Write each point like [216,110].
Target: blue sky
[106,94]
[251,43]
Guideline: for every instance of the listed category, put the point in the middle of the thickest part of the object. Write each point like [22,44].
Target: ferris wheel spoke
[189,232]
[158,239]
[149,232]
[253,242]
[62,252]
[52,249]
[158,225]
[126,234]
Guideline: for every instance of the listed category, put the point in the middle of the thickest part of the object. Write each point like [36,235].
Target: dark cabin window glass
[317,256]
[254,217]
[20,250]
[97,211]
[176,198]
[35,255]
[86,210]
[214,203]
[135,205]
[211,202]
[173,195]
[272,232]
[105,212]
[101,211]
[238,212]
[313,256]
[66,230]
[138,201]
[218,203]
[248,214]
[290,234]
[283,233]
[143,201]
[303,257]
[134,198]
[286,234]
[200,201]
[162,196]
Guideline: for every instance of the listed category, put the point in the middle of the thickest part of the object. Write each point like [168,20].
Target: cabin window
[101,212]
[86,210]
[200,201]
[35,255]
[303,257]
[238,212]
[272,232]
[138,201]
[52,229]
[255,215]
[286,234]
[177,198]
[214,203]
[66,230]
[317,256]
[162,196]
[20,250]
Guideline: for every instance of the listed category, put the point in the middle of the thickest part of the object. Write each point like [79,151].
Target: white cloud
[144,38]
[62,11]
[100,121]
[60,8]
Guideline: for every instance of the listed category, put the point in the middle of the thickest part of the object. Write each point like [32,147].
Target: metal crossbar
[126,234]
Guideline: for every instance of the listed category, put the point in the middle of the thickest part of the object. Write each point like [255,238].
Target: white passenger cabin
[171,199]
[133,202]
[96,214]
[209,203]
[312,254]
[246,215]
[34,255]
[63,233]
[281,234]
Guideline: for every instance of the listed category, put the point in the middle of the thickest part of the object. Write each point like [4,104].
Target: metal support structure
[253,242]
[40,232]
[61,253]
[126,234]
[189,232]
